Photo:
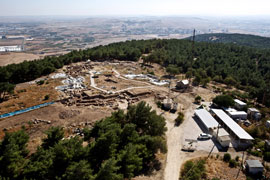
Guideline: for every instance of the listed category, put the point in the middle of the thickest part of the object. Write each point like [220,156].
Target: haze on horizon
[135,7]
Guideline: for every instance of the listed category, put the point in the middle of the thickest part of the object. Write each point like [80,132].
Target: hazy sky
[134,7]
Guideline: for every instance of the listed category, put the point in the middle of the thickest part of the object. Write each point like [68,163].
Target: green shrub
[232,163]
[159,104]
[237,158]
[198,99]
[266,156]
[194,170]
[256,153]
[180,118]
[226,157]
[223,100]
[21,91]
[47,97]
[40,82]
[151,72]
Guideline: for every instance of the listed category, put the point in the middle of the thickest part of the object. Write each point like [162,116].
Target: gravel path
[176,137]
[176,157]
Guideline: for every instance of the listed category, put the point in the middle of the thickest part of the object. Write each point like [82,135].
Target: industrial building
[234,114]
[207,119]
[239,104]
[243,139]
[221,135]
[254,113]
[254,167]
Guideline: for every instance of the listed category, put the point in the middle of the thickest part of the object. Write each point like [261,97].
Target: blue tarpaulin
[25,110]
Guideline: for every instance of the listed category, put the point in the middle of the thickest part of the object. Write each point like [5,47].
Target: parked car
[204,136]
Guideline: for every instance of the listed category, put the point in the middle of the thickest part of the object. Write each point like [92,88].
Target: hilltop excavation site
[83,93]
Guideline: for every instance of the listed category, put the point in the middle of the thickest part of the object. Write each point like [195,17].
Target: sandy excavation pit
[112,83]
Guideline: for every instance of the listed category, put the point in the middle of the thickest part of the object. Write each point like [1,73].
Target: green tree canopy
[6,88]
[54,135]
[223,101]
[172,70]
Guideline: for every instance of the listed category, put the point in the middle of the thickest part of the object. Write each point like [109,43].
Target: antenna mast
[193,43]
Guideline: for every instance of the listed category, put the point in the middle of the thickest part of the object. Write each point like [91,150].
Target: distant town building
[11,48]
[182,84]
[239,104]
[254,167]
[29,39]
[254,113]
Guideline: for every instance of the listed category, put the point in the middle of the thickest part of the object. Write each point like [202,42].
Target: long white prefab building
[206,118]
[209,122]
[243,138]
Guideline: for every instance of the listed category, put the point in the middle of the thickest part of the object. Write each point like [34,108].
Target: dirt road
[175,156]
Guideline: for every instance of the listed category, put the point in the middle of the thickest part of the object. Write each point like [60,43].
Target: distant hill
[239,39]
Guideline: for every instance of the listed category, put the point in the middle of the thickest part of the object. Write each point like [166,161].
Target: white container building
[222,136]
[254,113]
[254,167]
[267,124]
[182,84]
[239,104]
[234,114]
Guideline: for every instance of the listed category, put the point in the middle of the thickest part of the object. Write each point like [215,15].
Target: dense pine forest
[119,147]
[238,39]
[243,67]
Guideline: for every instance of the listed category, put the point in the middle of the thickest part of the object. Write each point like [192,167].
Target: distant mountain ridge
[239,39]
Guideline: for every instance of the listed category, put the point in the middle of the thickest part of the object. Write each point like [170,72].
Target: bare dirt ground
[16,57]
[27,95]
[59,115]
[69,117]
[116,83]
[216,168]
